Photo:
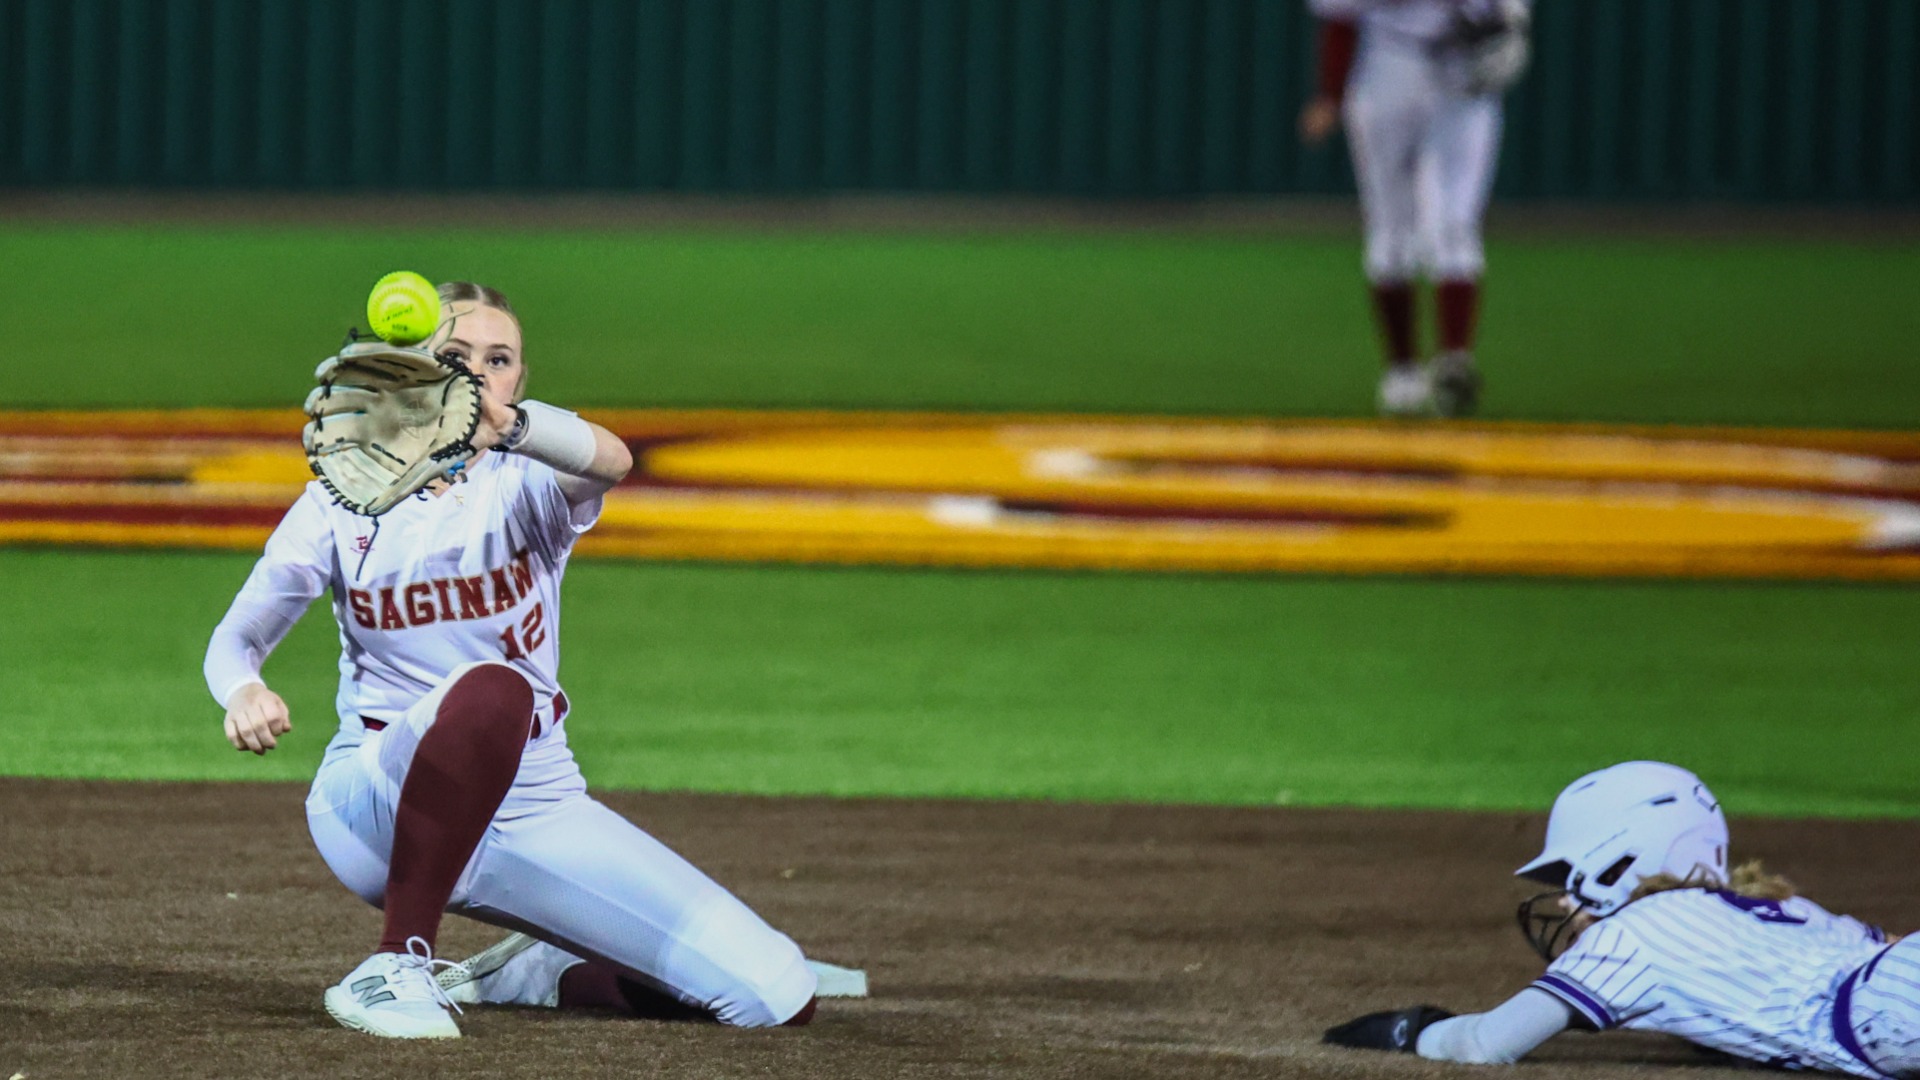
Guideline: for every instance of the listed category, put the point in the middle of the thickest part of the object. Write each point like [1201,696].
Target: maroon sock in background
[1458,307]
[1393,306]
[463,768]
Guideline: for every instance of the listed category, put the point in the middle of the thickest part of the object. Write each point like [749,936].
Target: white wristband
[557,438]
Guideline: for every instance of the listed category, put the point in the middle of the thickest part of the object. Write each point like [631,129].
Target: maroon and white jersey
[469,575]
[449,583]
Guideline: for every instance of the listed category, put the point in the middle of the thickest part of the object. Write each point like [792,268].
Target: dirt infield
[188,930]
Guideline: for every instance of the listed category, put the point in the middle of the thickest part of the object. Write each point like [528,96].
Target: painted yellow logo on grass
[1078,492]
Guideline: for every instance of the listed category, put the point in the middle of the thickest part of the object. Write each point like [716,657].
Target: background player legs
[1456,314]
[1395,308]
[585,879]
[1386,116]
[1456,178]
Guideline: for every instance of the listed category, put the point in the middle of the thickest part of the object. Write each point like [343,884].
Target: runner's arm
[1499,1037]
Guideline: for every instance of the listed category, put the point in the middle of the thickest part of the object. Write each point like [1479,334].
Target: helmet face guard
[1546,921]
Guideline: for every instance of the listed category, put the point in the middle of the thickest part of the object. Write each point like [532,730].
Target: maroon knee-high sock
[1393,306]
[593,985]
[463,768]
[1457,304]
[805,1015]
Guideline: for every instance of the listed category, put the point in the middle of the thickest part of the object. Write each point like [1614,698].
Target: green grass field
[1687,331]
[1792,699]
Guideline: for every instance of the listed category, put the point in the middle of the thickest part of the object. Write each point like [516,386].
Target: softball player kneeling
[449,786]
[1647,930]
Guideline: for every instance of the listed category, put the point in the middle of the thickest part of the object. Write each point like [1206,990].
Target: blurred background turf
[1376,692]
[1782,332]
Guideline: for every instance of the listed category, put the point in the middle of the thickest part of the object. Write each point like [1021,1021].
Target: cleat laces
[419,958]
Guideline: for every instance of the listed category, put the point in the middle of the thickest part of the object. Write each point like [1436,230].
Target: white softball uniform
[1786,983]
[1424,148]
[470,577]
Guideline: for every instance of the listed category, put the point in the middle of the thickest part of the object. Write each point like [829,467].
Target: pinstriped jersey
[1752,978]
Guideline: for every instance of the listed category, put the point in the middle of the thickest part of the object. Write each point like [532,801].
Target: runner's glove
[1386,1030]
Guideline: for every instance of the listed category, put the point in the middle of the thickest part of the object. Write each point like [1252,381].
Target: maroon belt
[556,709]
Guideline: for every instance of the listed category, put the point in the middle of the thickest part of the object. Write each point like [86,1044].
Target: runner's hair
[1748,879]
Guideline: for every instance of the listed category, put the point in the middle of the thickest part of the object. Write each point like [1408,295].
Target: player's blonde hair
[473,292]
[1748,879]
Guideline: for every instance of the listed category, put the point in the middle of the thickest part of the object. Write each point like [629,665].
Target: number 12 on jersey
[517,642]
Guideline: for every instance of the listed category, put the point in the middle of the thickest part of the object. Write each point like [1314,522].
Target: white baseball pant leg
[1456,179]
[350,808]
[562,867]
[1424,157]
[585,879]
[1386,113]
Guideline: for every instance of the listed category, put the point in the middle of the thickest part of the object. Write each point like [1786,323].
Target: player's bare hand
[256,718]
[496,422]
[1319,118]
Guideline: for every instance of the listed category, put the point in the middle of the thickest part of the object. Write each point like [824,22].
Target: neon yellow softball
[403,308]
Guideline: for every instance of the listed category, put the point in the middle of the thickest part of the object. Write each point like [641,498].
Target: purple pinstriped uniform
[1787,982]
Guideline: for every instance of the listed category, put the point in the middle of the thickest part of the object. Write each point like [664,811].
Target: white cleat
[838,982]
[461,981]
[394,996]
[1456,384]
[1406,390]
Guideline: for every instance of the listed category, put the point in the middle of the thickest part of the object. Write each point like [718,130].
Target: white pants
[1424,155]
[562,867]
[1885,1010]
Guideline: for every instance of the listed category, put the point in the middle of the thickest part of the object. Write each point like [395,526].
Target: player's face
[488,341]
[1578,918]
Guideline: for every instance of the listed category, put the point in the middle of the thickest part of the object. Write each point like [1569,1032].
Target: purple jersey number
[1764,910]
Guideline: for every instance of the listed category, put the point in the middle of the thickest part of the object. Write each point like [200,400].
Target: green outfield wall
[1787,100]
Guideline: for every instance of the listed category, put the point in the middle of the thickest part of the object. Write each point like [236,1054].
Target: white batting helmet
[1611,829]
